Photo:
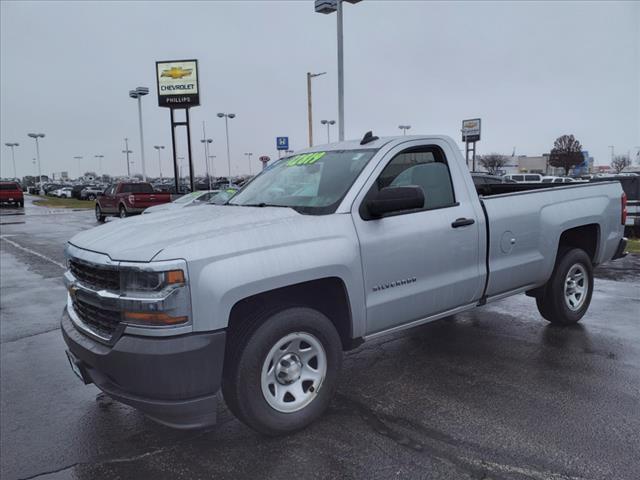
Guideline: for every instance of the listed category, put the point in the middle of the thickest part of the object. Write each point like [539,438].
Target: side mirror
[396,199]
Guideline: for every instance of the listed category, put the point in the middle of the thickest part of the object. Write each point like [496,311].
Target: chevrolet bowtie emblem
[176,72]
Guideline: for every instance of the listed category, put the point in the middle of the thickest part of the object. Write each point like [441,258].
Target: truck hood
[141,238]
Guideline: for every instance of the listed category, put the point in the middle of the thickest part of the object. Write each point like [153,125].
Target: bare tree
[566,153]
[492,162]
[620,162]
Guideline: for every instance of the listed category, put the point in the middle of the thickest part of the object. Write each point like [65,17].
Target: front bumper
[173,380]
[620,251]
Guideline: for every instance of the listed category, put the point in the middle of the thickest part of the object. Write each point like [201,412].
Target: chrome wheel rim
[576,287]
[123,213]
[293,372]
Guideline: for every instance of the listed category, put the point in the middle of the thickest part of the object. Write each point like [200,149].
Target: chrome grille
[102,322]
[95,276]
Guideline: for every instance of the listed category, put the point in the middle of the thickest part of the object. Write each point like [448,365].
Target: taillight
[623,203]
[132,199]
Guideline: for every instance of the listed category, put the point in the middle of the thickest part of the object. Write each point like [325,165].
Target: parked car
[91,192]
[525,177]
[260,297]
[481,178]
[223,196]
[124,199]
[11,192]
[552,179]
[64,192]
[631,186]
[190,199]
[50,188]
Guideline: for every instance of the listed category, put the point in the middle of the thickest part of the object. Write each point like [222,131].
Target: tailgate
[144,200]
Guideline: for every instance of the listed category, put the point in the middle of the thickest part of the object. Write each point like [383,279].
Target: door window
[425,167]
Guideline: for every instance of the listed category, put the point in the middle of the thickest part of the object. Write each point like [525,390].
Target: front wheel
[566,297]
[99,215]
[281,370]
[123,211]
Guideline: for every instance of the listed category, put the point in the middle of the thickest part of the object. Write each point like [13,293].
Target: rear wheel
[566,296]
[21,203]
[91,197]
[281,369]
[123,211]
[99,215]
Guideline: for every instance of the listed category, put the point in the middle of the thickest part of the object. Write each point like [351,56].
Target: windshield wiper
[260,205]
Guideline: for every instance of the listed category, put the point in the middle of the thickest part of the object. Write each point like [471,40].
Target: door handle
[463,222]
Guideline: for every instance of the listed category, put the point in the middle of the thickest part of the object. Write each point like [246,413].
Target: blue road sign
[282,143]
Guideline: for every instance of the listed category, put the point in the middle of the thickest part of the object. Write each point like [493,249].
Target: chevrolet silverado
[257,299]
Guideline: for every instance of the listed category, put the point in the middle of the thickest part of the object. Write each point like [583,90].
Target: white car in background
[557,180]
[525,177]
[190,199]
[64,192]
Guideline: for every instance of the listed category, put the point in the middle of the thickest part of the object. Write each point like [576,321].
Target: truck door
[107,201]
[423,262]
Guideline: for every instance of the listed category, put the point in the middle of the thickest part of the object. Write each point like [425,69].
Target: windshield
[310,182]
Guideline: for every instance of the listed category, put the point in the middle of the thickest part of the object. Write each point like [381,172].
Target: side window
[425,167]
[518,178]
[110,190]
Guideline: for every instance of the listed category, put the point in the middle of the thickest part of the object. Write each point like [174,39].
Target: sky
[531,70]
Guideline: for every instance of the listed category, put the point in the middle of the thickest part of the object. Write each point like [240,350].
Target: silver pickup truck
[257,299]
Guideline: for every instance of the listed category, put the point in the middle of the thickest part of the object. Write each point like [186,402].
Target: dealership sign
[177,82]
[471,130]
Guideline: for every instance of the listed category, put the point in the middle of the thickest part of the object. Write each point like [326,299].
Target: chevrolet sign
[177,82]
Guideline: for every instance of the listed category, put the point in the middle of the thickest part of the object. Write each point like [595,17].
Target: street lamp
[328,123]
[206,142]
[99,157]
[158,148]
[127,152]
[78,158]
[36,136]
[226,117]
[248,154]
[13,158]
[612,151]
[138,93]
[326,7]
[309,109]
[404,128]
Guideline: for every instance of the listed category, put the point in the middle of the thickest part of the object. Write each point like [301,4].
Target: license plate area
[76,368]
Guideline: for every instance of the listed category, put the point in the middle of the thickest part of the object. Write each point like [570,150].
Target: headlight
[132,280]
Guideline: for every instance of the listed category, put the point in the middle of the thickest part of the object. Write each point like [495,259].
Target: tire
[99,215]
[566,296]
[253,350]
[21,204]
[91,197]
[123,211]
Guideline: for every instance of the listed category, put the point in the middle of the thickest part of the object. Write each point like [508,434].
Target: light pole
[127,152]
[328,123]
[612,151]
[78,158]
[158,148]
[180,159]
[138,93]
[404,128]
[248,154]
[206,142]
[13,157]
[309,108]
[99,157]
[212,165]
[226,117]
[330,7]
[36,136]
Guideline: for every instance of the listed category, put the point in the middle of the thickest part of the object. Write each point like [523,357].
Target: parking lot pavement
[492,393]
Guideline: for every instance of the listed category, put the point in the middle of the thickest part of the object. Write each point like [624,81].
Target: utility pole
[127,151]
[137,94]
[309,104]
[12,145]
[612,152]
[326,8]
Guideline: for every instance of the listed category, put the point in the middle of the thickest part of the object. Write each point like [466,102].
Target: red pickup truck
[10,192]
[124,199]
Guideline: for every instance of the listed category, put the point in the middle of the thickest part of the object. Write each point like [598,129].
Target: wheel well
[327,295]
[584,237]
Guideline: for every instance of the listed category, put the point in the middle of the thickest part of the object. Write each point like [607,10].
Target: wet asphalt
[492,393]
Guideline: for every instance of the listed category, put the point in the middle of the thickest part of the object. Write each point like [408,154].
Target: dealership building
[540,164]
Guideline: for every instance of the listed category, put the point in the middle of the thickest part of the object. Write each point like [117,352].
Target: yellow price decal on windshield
[305,159]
